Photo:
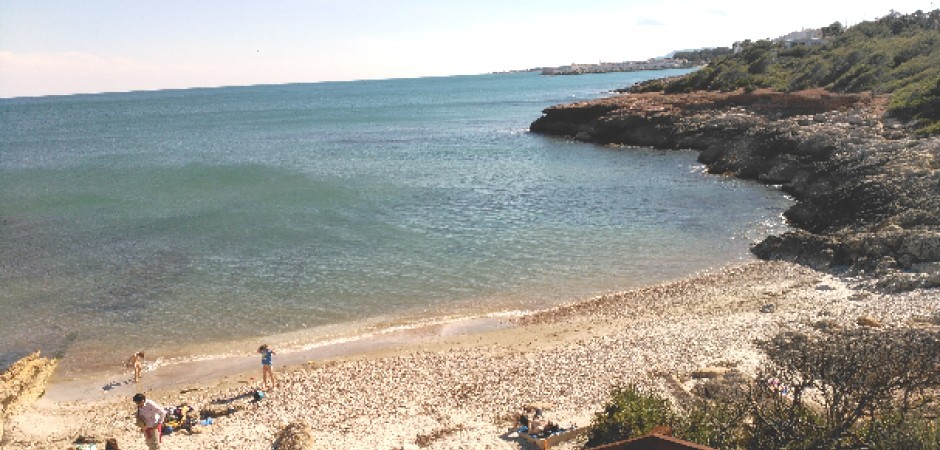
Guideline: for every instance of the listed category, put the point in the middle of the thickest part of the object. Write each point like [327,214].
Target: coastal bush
[919,100]
[902,432]
[932,129]
[656,85]
[847,389]
[715,423]
[896,54]
[779,423]
[832,389]
[811,72]
[630,412]
[704,55]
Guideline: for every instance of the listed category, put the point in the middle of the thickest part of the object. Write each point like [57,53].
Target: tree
[833,30]
[841,386]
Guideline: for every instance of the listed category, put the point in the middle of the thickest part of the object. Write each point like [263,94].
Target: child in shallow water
[267,366]
[136,361]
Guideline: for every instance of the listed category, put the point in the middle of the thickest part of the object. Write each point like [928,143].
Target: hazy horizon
[112,46]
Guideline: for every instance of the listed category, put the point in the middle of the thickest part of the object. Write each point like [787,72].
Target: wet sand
[193,374]
[455,385]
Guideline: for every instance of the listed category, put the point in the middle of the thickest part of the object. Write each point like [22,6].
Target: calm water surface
[160,220]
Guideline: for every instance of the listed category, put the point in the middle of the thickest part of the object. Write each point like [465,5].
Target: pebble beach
[463,390]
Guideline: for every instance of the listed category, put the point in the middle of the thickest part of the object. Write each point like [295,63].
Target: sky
[52,47]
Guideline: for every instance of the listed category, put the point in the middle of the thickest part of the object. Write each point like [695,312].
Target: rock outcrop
[22,384]
[295,436]
[867,191]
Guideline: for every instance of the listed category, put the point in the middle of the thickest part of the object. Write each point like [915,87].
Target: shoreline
[97,386]
[90,357]
[215,360]
[297,349]
[448,386]
[330,338]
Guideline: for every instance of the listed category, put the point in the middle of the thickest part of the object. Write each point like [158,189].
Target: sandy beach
[456,385]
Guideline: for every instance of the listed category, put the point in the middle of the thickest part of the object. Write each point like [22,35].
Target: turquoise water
[146,220]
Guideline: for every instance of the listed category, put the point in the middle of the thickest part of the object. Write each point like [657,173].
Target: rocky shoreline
[867,190]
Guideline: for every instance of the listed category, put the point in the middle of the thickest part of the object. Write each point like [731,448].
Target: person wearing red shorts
[150,417]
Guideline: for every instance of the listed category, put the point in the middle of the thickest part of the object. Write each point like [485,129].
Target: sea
[188,223]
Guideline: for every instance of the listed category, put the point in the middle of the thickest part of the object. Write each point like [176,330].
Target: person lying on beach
[267,367]
[136,361]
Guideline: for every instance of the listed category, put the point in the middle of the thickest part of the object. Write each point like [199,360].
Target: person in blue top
[267,367]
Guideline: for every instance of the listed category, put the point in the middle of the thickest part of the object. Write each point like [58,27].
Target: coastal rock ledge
[867,190]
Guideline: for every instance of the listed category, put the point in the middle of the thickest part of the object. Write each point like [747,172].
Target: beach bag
[258,395]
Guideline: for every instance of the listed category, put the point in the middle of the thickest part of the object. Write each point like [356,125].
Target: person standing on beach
[267,366]
[136,361]
[150,417]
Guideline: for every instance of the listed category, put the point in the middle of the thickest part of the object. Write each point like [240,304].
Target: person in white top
[150,417]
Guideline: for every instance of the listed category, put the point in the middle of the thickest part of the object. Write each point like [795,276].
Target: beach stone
[768,308]
[859,297]
[827,325]
[295,436]
[866,321]
[545,406]
[709,372]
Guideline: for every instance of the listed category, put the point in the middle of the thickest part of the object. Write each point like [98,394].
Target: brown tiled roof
[653,442]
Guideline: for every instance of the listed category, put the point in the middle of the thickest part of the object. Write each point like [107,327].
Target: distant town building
[807,37]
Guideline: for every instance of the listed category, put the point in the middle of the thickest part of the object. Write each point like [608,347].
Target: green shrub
[844,386]
[631,412]
[900,432]
[777,423]
[930,130]
[718,424]
[896,54]
[849,389]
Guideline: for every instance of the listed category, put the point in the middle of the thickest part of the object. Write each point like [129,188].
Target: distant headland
[625,66]
[684,59]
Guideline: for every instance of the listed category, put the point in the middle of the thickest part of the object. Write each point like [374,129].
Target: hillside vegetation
[896,54]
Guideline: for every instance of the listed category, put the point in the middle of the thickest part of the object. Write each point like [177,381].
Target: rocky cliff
[867,191]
